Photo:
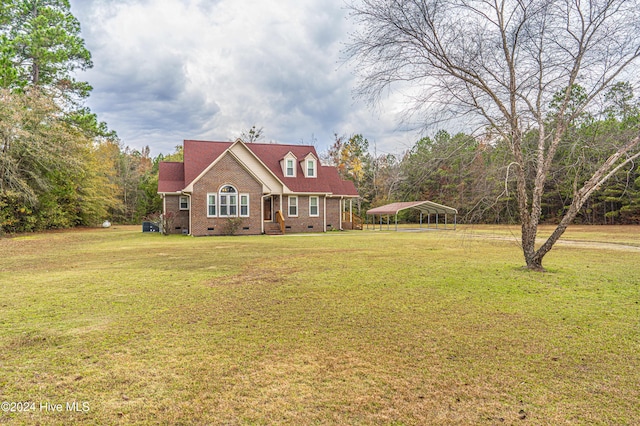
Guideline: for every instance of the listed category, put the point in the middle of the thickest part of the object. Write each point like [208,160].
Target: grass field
[113,326]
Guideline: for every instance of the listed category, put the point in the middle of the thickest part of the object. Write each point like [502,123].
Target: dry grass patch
[343,328]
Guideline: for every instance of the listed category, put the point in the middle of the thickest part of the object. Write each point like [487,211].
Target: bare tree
[252,135]
[515,66]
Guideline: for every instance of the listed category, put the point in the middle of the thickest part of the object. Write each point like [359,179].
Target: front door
[268,201]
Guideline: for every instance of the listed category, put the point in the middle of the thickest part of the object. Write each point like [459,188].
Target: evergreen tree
[42,46]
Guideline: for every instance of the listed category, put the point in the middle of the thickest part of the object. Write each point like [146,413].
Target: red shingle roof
[198,155]
[170,177]
[338,185]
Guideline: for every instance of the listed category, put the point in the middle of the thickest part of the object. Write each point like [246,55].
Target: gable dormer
[288,164]
[309,166]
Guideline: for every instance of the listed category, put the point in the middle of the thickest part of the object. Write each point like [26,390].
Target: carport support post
[420,220]
[445,221]
[396,222]
[381,221]
[428,220]
[437,219]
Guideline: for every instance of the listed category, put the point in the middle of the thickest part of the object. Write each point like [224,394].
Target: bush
[232,225]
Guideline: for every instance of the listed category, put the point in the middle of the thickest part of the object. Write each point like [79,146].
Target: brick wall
[333,213]
[181,218]
[226,172]
[303,223]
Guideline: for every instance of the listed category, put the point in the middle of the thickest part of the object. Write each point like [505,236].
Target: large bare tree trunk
[520,67]
[612,165]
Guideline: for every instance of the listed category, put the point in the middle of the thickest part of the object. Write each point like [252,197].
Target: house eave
[326,194]
[229,151]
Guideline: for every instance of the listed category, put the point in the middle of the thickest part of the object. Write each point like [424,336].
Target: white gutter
[324,211]
[164,210]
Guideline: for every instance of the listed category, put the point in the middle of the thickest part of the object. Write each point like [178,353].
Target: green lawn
[339,328]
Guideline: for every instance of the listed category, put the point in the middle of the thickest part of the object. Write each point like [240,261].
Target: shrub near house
[256,183]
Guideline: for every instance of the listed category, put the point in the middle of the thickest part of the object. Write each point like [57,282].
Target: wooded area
[61,167]
[532,76]
[475,176]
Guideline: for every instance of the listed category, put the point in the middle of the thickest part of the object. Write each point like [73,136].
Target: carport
[425,207]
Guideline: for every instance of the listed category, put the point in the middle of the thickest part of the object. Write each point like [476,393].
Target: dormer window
[289,165]
[311,168]
[290,169]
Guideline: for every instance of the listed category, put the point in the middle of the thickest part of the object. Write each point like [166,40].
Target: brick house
[270,188]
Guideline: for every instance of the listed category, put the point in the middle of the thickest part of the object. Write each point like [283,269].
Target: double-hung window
[313,207]
[211,205]
[293,206]
[184,202]
[244,205]
[227,202]
[311,168]
[290,167]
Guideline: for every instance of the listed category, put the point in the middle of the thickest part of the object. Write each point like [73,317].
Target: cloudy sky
[169,70]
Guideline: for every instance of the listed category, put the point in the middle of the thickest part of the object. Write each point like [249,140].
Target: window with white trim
[293,206]
[211,205]
[313,207]
[290,168]
[228,201]
[184,202]
[244,205]
[311,168]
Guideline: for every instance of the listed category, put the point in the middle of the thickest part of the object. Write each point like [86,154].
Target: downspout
[341,210]
[262,213]
[324,212]
[164,212]
[190,210]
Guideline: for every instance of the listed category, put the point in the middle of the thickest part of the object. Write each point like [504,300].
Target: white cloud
[168,70]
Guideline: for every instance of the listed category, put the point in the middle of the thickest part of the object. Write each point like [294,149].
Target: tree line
[528,72]
[58,172]
[476,174]
[59,165]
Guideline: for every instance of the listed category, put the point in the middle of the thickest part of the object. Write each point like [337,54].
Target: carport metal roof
[427,207]
[423,206]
